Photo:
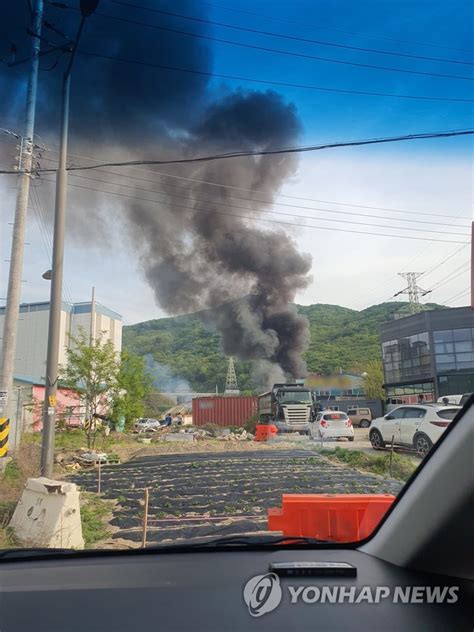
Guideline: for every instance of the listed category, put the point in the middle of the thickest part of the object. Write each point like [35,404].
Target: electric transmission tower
[413,290]
[231,386]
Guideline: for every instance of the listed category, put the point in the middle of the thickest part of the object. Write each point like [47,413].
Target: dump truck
[289,406]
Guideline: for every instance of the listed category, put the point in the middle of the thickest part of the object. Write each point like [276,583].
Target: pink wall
[68,402]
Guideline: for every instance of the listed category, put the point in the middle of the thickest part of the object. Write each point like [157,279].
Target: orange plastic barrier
[263,432]
[336,517]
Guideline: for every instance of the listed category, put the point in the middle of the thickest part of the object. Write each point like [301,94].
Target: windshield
[294,397]
[225,226]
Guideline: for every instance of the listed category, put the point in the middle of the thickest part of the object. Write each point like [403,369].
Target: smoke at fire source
[196,250]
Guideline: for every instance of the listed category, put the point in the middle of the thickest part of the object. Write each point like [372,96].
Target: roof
[29,379]
[71,308]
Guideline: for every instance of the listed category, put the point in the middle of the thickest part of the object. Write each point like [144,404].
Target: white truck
[289,406]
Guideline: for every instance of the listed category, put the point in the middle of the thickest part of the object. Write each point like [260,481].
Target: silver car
[147,424]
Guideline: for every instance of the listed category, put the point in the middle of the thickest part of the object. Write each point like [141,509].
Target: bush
[251,423]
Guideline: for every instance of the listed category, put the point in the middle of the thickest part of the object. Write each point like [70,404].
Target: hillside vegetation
[183,349]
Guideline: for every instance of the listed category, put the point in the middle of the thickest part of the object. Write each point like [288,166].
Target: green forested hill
[184,349]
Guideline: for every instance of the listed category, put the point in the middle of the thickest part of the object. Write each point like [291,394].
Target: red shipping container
[234,410]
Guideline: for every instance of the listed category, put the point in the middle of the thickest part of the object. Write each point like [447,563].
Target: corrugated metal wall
[223,411]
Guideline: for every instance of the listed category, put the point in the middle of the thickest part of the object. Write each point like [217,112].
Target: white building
[32,337]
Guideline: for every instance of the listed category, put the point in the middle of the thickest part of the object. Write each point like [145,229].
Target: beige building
[32,337]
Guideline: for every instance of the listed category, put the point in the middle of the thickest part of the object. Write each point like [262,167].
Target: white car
[415,426]
[332,424]
[147,424]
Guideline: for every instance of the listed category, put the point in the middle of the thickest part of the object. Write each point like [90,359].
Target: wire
[457,296]
[257,152]
[432,269]
[454,274]
[328,28]
[46,237]
[234,188]
[438,265]
[282,35]
[260,219]
[258,210]
[283,52]
[268,82]
[273,203]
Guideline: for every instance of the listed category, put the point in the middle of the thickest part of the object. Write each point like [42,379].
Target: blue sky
[326,115]
[432,176]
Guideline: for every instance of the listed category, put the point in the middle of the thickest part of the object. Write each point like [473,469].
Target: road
[195,495]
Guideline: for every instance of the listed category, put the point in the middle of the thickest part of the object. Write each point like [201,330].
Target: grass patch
[94,518]
[12,473]
[7,537]
[402,466]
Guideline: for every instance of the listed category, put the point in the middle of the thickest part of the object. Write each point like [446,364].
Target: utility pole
[413,290]
[10,328]
[87,7]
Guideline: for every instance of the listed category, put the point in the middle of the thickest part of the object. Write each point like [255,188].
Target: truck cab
[289,406]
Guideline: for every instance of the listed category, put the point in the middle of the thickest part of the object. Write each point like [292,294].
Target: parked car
[414,426]
[147,424]
[454,399]
[360,416]
[332,424]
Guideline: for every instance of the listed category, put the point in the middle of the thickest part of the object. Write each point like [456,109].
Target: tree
[155,404]
[373,380]
[92,370]
[133,386]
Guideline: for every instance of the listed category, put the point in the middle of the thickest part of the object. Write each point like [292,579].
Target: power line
[428,271]
[454,274]
[298,216]
[281,35]
[257,152]
[274,83]
[328,28]
[277,51]
[452,254]
[269,82]
[457,296]
[46,237]
[235,188]
[245,208]
[262,219]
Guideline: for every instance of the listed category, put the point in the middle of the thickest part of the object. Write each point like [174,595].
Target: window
[443,336]
[444,347]
[446,357]
[449,413]
[462,334]
[413,413]
[396,414]
[463,346]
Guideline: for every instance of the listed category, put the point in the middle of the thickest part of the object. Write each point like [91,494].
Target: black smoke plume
[197,250]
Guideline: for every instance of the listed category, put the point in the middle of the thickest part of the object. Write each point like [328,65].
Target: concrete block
[48,515]
[178,436]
